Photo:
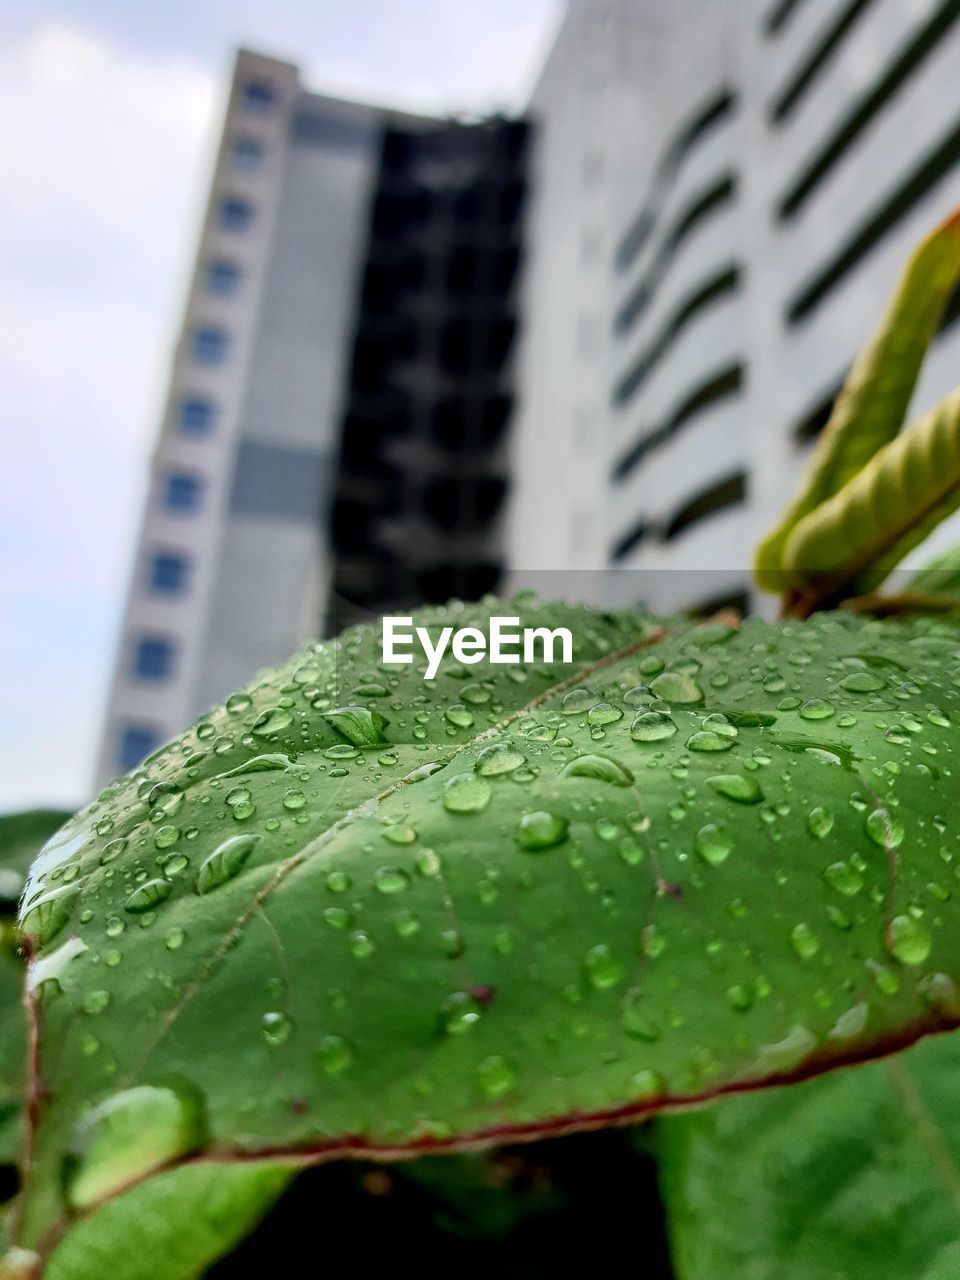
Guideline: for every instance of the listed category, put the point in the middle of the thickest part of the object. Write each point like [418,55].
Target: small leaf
[873,404]
[21,837]
[939,578]
[852,1174]
[172,1227]
[853,540]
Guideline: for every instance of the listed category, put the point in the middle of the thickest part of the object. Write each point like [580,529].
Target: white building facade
[721,195]
[230,572]
[725,194]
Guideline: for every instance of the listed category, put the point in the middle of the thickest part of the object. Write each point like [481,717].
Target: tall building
[723,196]
[598,345]
[422,470]
[332,437]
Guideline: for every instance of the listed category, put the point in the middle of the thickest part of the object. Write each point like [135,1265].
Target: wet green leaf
[22,835]
[853,1174]
[873,404]
[552,917]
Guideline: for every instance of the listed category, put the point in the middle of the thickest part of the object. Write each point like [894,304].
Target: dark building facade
[422,473]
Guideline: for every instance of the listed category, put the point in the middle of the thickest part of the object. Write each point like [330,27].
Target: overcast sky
[108,118]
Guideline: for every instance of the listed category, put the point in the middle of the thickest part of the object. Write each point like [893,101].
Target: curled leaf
[871,408]
[853,540]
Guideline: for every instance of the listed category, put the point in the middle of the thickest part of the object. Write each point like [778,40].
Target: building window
[153,658]
[183,492]
[169,572]
[209,345]
[196,416]
[247,154]
[223,278]
[259,95]
[136,742]
[235,214]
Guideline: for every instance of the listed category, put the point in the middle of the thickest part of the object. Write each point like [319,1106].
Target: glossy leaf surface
[854,1174]
[513,902]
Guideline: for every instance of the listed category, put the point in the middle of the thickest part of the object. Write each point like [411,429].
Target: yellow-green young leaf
[852,541]
[172,1227]
[940,578]
[852,1175]
[872,405]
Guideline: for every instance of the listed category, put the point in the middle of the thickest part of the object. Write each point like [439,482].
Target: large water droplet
[495,1076]
[676,686]
[148,895]
[391,880]
[804,941]
[466,793]
[817,709]
[844,877]
[334,1055]
[713,843]
[863,682]
[226,861]
[459,717]
[636,1018]
[576,702]
[541,830]
[652,726]
[708,740]
[276,1027]
[602,967]
[604,713]
[500,757]
[908,940]
[359,725]
[819,822]
[737,787]
[600,768]
[461,1013]
[884,829]
[271,722]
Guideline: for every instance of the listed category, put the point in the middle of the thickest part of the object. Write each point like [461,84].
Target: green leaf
[853,1174]
[21,835]
[939,578]
[172,1227]
[12,1044]
[853,541]
[455,939]
[871,408]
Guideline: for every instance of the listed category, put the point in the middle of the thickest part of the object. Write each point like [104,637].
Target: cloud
[94,146]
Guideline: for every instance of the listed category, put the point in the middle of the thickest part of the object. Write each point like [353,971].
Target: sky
[109,113]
